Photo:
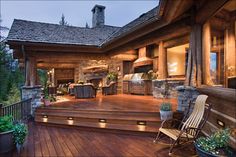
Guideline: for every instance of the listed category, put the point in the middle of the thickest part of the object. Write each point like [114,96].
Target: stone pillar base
[159,87]
[34,93]
[185,95]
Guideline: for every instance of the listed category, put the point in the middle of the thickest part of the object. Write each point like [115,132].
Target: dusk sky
[77,13]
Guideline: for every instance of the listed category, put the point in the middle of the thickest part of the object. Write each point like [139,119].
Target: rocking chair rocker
[188,128]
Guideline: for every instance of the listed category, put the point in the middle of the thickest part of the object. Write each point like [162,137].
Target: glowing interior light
[70,120]
[45,118]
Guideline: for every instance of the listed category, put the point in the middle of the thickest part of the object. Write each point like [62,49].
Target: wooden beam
[176,8]
[208,9]
[176,42]
[59,57]
[124,57]
[218,23]
[47,65]
[136,34]
[46,47]
[174,30]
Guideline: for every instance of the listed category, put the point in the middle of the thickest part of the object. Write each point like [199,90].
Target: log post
[230,54]
[162,64]
[31,71]
[194,69]
[206,50]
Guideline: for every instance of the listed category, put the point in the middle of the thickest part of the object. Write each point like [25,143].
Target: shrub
[20,131]
[166,106]
[6,123]
[215,142]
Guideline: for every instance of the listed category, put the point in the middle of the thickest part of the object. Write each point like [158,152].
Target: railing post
[21,110]
[1,110]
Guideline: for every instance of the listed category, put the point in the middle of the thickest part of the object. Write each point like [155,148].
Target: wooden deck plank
[60,140]
[77,142]
[44,147]
[81,148]
[68,142]
[37,143]
[51,148]
[56,143]
[120,102]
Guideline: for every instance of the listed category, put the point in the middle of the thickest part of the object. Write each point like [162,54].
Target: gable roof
[29,31]
[140,21]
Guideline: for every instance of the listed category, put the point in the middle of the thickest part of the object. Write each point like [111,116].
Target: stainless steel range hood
[142,58]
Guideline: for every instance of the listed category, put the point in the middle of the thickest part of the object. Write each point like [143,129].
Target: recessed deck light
[102,120]
[70,120]
[45,118]
[141,122]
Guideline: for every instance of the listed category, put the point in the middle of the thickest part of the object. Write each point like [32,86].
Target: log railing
[19,111]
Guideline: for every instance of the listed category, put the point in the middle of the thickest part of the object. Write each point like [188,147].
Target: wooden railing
[19,111]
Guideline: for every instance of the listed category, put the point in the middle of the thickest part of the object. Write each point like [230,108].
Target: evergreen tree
[63,21]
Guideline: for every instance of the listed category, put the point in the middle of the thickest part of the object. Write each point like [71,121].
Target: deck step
[109,126]
[114,120]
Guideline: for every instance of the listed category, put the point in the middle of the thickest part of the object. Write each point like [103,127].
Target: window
[222,48]
[177,60]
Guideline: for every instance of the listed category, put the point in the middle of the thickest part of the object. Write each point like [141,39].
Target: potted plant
[46,100]
[166,111]
[214,145]
[6,134]
[112,76]
[20,131]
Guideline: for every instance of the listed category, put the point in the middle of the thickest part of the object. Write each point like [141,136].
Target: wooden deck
[120,102]
[51,141]
[120,112]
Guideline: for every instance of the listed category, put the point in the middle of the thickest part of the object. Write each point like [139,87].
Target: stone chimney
[98,15]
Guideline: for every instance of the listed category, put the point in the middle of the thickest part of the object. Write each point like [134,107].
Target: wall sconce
[118,68]
[70,120]
[45,118]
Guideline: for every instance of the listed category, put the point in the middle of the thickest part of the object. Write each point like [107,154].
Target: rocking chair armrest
[188,129]
[192,128]
[169,123]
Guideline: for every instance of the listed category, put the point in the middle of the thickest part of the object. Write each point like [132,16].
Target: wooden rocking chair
[188,128]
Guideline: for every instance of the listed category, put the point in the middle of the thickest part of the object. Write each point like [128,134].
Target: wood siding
[223,102]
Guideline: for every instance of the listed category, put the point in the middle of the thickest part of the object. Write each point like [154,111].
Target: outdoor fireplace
[97,82]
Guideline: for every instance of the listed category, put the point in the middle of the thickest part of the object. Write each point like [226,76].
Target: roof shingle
[22,30]
[30,31]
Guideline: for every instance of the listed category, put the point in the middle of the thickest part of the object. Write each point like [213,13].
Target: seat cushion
[174,133]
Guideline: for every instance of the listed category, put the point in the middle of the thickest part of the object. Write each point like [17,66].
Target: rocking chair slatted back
[197,115]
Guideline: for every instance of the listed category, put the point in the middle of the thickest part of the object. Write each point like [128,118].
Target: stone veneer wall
[185,95]
[112,65]
[159,87]
[34,93]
